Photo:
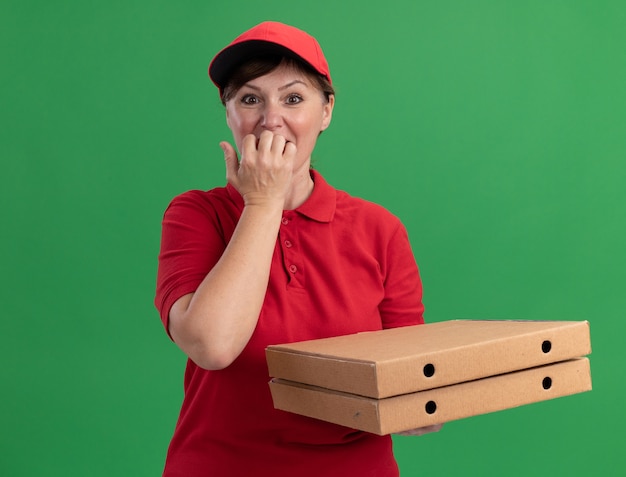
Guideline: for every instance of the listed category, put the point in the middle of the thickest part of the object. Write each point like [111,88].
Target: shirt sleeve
[402,304]
[192,241]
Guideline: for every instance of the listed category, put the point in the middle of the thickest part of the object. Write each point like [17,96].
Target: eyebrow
[288,85]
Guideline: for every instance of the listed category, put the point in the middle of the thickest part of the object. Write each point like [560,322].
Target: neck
[301,188]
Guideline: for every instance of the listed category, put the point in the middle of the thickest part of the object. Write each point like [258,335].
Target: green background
[496,130]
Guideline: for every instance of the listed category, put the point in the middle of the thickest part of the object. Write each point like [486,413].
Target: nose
[271,118]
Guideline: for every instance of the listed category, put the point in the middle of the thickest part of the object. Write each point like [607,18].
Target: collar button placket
[288,245]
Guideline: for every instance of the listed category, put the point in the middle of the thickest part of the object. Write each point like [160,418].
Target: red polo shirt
[341,265]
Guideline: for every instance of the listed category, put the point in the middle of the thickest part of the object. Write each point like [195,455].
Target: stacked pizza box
[394,380]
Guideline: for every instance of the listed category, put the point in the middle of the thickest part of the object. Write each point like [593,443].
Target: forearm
[213,325]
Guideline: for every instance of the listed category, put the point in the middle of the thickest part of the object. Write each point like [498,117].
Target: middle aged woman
[275,256]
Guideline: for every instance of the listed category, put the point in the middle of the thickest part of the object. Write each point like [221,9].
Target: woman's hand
[421,430]
[264,174]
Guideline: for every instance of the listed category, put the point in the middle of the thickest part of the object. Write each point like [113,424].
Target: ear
[327,112]
[228,119]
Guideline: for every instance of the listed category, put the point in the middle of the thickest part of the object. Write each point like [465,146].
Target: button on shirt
[341,265]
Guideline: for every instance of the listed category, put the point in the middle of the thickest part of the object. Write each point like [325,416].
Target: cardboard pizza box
[434,406]
[396,361]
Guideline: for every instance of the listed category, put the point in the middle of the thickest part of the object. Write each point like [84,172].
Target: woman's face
[284,101]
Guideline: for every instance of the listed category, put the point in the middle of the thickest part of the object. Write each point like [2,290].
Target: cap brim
[226,61]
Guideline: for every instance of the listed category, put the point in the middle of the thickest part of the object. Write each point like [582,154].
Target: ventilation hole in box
[431,407]
[429,370]
[547,382]
[546,346]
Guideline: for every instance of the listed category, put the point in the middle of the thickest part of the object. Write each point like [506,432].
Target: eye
[294,98]
[249,99]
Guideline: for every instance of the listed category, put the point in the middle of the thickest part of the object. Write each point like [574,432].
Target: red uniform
[341,265]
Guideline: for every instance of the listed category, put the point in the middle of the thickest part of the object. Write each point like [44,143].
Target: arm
[402,304]
[213,324]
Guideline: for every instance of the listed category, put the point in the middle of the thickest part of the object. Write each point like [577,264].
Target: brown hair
[258,67]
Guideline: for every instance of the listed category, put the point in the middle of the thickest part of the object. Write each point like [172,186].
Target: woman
[276,256]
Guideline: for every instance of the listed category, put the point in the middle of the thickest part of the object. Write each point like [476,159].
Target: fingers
[265,169]
[290,150]
[272,143]
[269,145]
[269,152]
[230,158]
[248,146]
[422,430]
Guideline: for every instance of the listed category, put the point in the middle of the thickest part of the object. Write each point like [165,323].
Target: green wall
[495,129]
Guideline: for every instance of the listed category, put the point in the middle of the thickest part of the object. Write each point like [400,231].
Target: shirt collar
[320,206]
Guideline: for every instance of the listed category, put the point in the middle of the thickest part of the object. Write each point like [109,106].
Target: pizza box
[434,406]
[390,362]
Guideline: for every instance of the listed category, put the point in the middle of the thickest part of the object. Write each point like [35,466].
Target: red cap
[268,37]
